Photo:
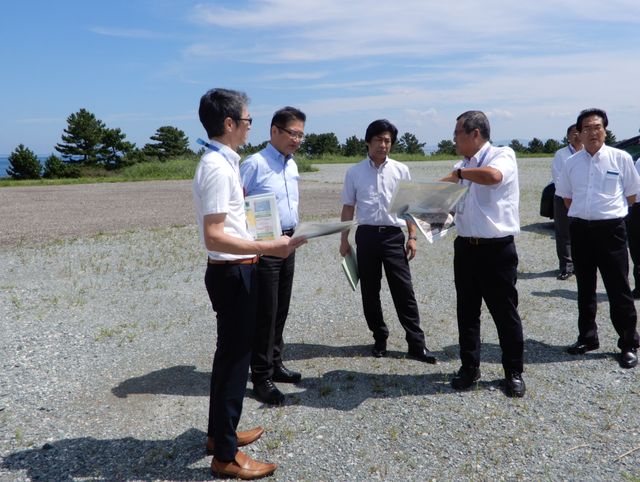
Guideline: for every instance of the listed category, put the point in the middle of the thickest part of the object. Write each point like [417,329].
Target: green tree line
[88,146]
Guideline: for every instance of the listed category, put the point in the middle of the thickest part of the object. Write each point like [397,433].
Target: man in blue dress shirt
[273,170]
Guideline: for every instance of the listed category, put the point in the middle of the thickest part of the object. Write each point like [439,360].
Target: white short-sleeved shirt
[216,190]
[490,211]
[598,185]
[559,159]
[370,191]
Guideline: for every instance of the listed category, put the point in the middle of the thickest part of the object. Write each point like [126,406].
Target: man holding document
[367,192]
[485,259]
[230,279]
[273,170]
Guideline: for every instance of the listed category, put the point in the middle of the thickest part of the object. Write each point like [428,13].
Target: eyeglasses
[296,136]
[592,128]
[248,119]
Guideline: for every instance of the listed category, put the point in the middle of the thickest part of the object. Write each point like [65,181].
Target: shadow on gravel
[179,380]
[569,295]
[120,459]
[540,228]
[535,352]
[543,274]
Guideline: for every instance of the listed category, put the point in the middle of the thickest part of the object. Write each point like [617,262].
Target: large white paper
[428,205]
[312,229]
[263,220]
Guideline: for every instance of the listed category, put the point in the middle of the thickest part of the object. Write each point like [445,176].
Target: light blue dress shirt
[268,171]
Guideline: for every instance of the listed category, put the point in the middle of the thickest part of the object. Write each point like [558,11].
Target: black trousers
[602,245]
[489,272]
[378,247]
[232,289]
[633,236]
[275,280]
[563,239]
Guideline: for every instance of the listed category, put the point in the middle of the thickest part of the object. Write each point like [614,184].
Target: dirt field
[40,214]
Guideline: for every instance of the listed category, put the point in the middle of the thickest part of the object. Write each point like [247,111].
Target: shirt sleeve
[249,174]
[563,186]
[631,180]
[556,166]
[505,162]
[216,190]
[348,189]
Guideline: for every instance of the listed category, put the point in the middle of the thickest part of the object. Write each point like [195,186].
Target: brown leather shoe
[244,438]
[243,467]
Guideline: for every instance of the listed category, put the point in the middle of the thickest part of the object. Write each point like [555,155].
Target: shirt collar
[226,151]
[372,164]
[276,154]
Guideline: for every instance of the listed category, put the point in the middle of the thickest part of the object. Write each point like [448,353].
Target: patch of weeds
[393,433]
[16,302]
[19,436]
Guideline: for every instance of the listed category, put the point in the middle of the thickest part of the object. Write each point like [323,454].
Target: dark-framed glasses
[295,135]
[247,119]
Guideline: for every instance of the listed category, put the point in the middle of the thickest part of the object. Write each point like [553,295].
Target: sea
[4,164]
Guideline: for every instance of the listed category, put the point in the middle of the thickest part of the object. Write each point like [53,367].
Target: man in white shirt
[633,237]
[367,191]
[560,218]
[485,259]
[230,279]
[597,184]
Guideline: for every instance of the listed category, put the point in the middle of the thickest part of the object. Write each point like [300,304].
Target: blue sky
[142,64]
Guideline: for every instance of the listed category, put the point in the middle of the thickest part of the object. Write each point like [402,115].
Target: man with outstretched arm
[230,279]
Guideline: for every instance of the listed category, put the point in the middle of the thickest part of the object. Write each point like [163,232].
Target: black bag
[546,201]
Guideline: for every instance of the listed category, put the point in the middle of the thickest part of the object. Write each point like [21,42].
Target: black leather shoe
[465,377]
[564,275]
[422,354]
[267,392]
[629,358]
[579,348]
[379,348]
[284,375]
[514,385]
[635,292]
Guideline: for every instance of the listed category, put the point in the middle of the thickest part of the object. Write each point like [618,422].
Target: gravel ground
[108,336]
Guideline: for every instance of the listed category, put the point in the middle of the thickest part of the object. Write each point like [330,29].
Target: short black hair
[218,104]
[588,113]
[475,119]
[287,114]
[379,126]
[569,129]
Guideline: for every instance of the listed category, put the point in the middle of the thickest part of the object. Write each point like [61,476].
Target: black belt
[288,232]
[478,241]
[379,229]
[596,222]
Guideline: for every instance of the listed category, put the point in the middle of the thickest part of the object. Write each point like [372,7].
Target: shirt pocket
[610,183]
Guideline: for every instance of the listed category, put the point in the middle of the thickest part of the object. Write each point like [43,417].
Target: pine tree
[24,164]
[170,142]
[82,138]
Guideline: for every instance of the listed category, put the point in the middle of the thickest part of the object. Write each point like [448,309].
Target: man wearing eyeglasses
[597,185]
[367,191]
[230,279]
[273,170]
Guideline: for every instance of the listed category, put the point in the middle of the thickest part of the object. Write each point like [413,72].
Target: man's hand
[410,249]
[284,246]
[345,247]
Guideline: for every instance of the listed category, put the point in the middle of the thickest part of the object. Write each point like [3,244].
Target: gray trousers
[563,239]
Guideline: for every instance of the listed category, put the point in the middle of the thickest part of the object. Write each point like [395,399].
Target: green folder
[350,267]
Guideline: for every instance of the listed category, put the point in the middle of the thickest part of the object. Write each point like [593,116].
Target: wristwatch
[415,238]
